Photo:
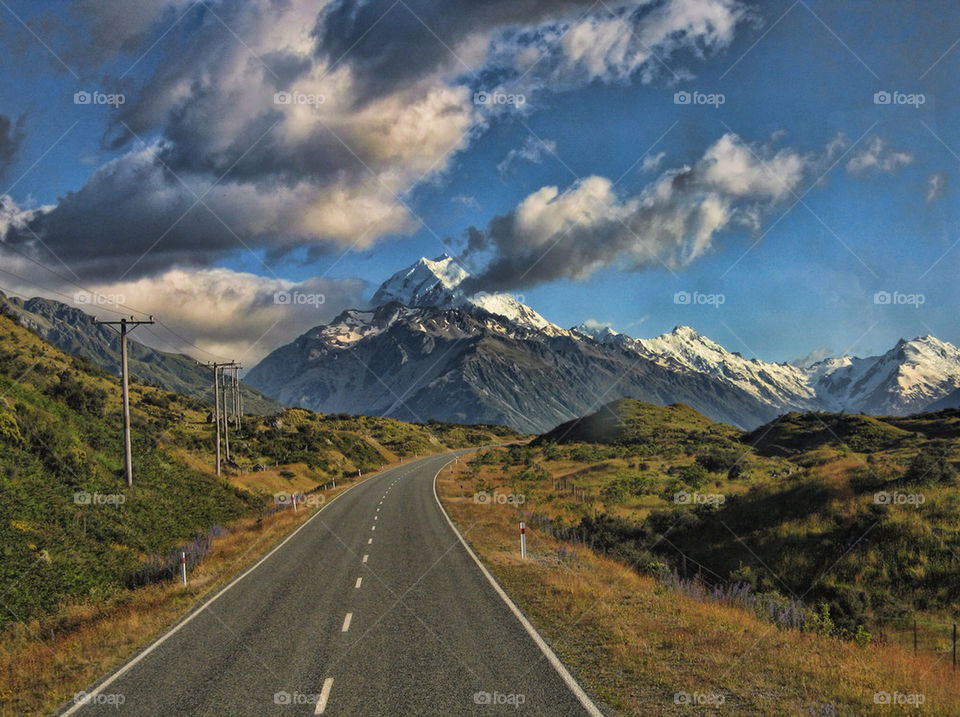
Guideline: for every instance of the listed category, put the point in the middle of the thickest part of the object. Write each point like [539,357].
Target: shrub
[931,466]
[694,475]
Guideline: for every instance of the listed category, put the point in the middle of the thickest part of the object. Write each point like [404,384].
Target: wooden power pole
[219,417]
[125,325]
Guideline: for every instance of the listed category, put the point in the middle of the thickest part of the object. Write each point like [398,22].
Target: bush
[694,475]
[931,466]
[718,460]
[76,395]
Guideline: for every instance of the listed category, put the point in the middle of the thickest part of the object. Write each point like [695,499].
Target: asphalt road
[373,608]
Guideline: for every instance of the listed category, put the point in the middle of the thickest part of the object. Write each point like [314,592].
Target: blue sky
[798,82]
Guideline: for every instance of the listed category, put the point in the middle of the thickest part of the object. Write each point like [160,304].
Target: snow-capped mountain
[908,378]
[436,283]
[425,283]
[776,384]
[428,350]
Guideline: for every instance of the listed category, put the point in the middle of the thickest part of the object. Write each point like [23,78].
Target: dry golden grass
[634,645]
[45,663]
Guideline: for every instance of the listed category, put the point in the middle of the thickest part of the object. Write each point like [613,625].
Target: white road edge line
[324,696]
[180,625]
[551,656]
[346,622]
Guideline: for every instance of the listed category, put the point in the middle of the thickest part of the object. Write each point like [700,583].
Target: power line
[100,307]
[11,292]
[68,279]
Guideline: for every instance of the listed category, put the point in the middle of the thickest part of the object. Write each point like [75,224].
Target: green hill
[72,531]
[795,433]
[627,422]
[849,514]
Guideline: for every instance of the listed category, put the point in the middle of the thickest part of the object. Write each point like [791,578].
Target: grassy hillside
[626,422]
[833,523]
[71,529]
[642,647]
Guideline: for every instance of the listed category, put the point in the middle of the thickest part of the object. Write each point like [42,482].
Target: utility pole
[217,366]
[123,324]
[226,419]
[236,397]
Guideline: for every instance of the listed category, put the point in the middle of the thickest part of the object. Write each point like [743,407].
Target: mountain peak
[685,332]
[596,330]
[426,282]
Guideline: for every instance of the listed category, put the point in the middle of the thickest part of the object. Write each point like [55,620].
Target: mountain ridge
[489,357]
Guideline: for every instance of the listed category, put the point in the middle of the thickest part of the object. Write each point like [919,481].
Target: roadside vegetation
[817,526]
[89,567]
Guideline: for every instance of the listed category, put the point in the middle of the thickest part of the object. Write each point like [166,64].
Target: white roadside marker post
[523,540]
[183,566]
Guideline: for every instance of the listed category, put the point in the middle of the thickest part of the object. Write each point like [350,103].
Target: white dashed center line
[359,580]
[365,558]
[346,622]
[324,696]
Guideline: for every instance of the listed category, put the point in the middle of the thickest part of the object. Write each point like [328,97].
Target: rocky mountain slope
[428,350]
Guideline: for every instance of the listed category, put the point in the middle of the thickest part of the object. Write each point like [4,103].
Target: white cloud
[533,150]
[876,156]
[232,314]
[936,186]
[367,123]
[652,162]
[623,41]
[673,221]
